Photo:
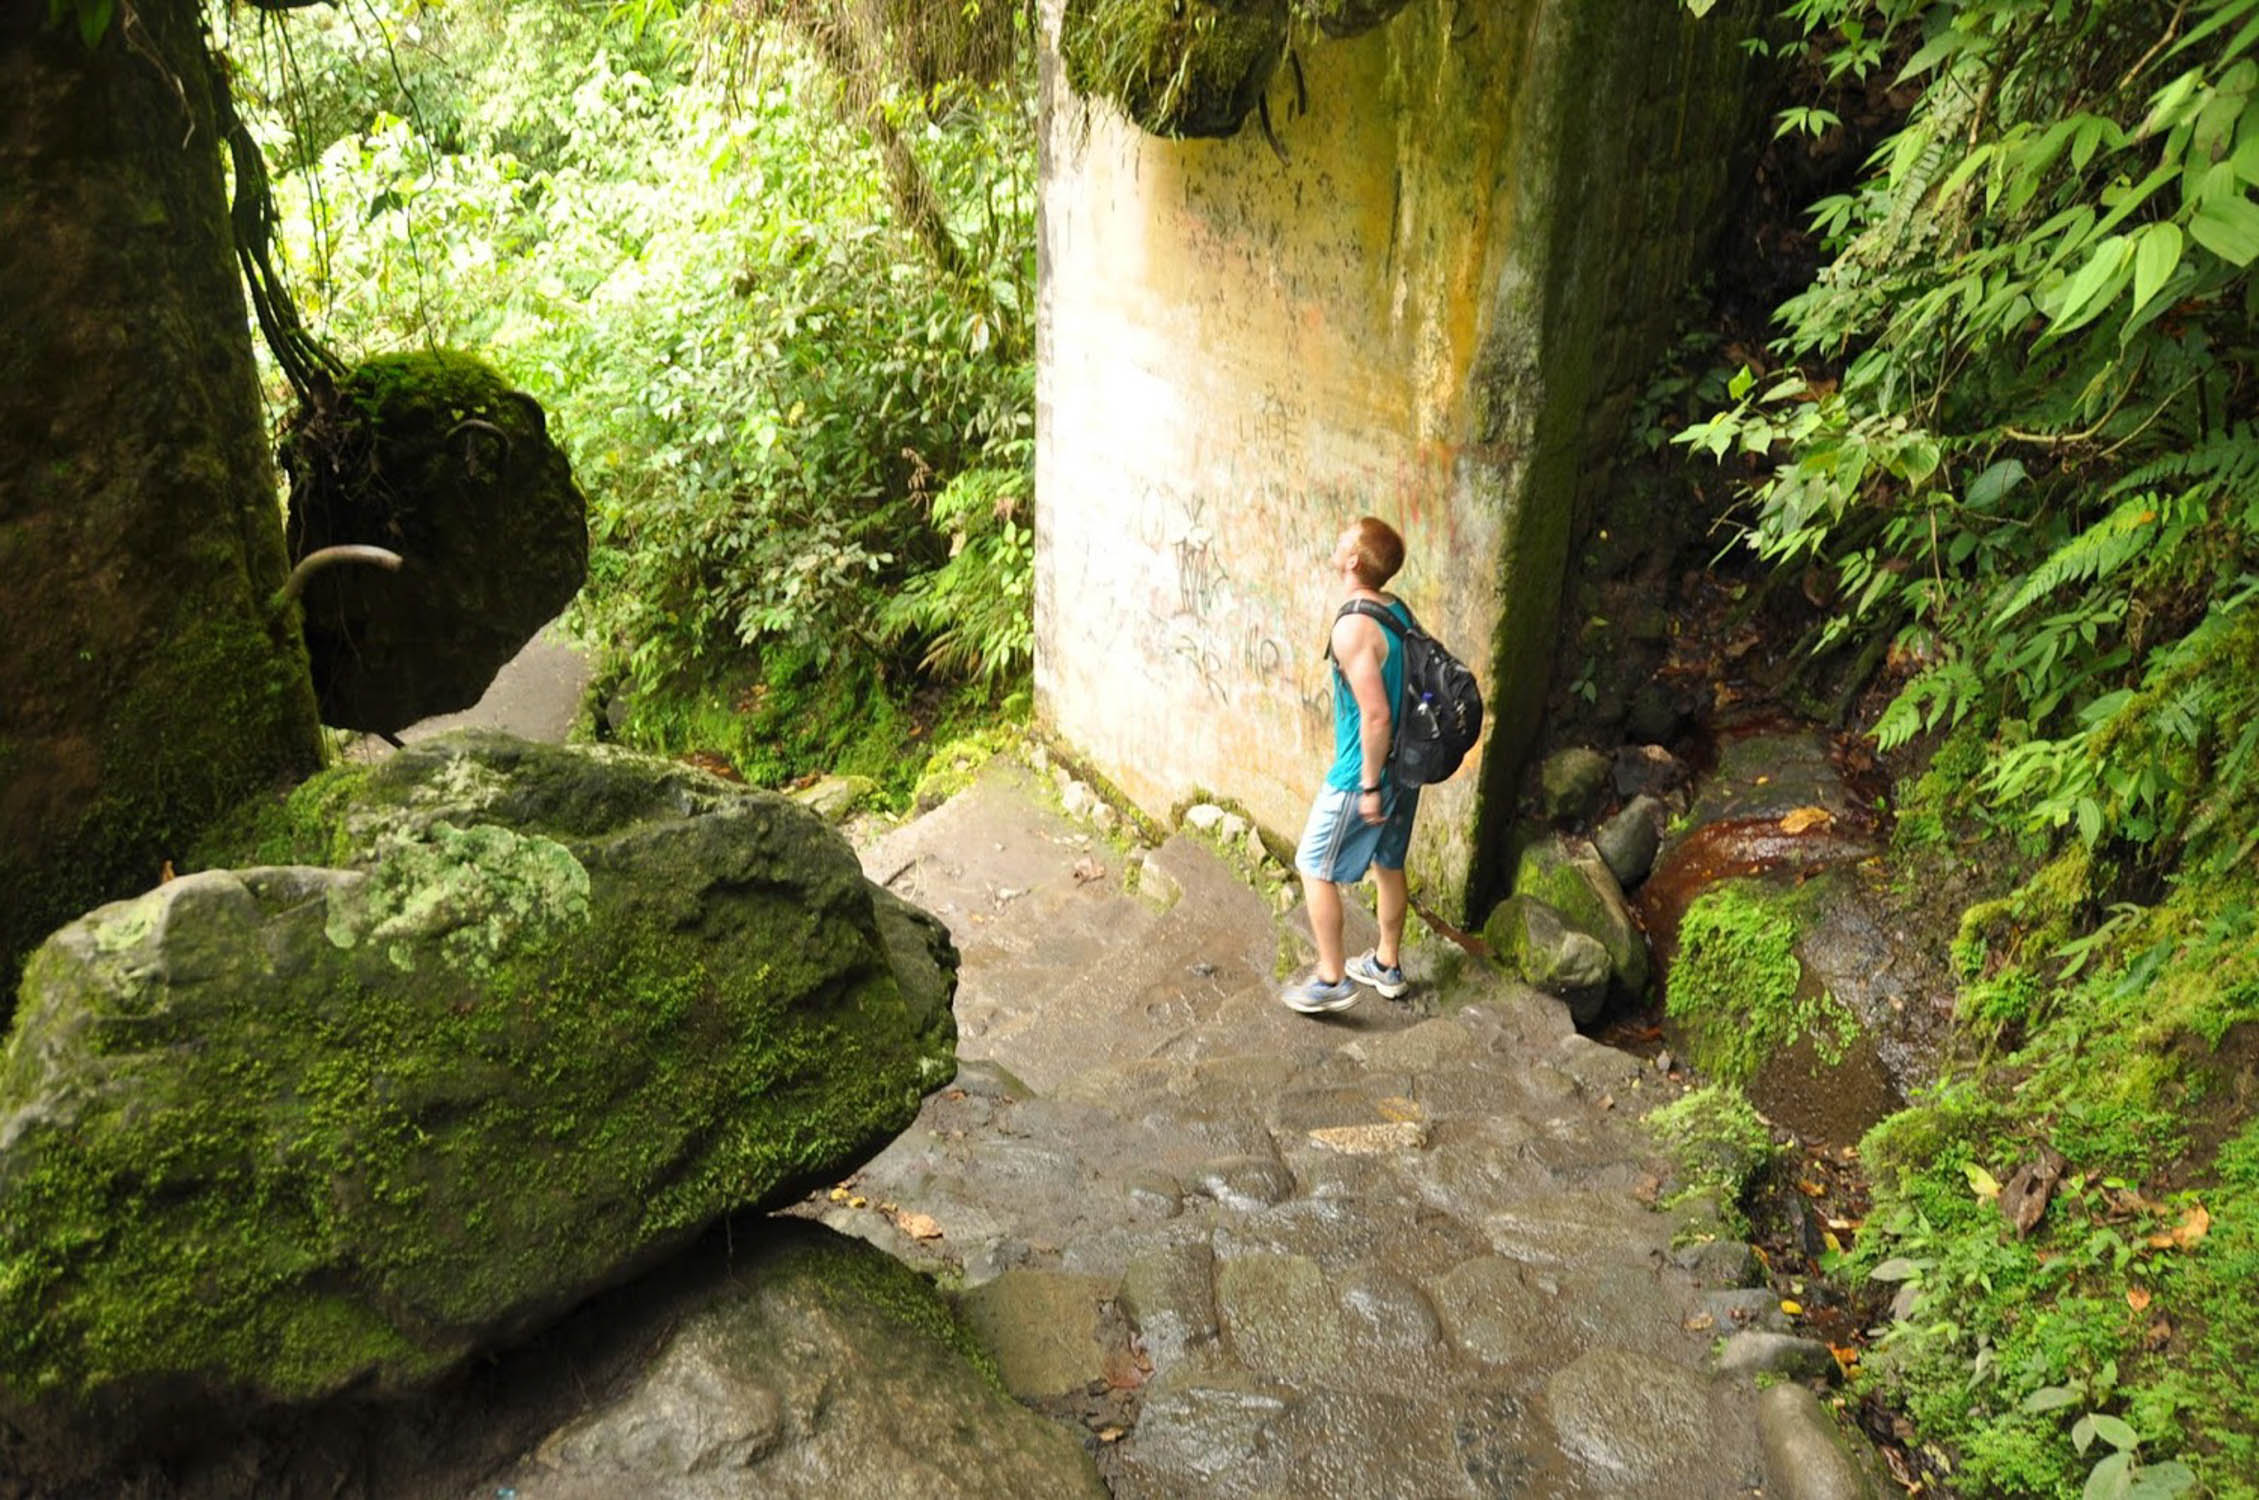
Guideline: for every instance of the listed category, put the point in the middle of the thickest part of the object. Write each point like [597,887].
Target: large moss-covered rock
[274,1133]
[1534,942]
[433,456]
[1575,883]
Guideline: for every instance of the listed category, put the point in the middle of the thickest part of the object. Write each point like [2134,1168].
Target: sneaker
[1313,996]
[1387,982]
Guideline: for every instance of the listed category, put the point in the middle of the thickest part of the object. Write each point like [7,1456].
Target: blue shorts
[1338,846]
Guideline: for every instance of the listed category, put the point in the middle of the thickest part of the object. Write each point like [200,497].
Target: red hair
[1380,551]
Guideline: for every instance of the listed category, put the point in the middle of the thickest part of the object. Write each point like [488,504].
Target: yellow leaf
[2137,1298]
[1793,1309]
[2193,1228]
[1806,817]
[1828,1238]
[1987,1185]
[858,1201]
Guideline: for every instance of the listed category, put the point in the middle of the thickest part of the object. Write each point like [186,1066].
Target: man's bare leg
[1394,898]
[1322,899]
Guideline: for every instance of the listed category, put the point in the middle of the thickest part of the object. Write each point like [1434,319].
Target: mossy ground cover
[1737,991]
[798,715]
[2135,1298]
[1719,1146]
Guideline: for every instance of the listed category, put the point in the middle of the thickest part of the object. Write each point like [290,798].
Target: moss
[1718,1145]
[421,387]
[801,714]
[858,1279]
[165,774]
[355,1173]
[1175,67]
[1737,990]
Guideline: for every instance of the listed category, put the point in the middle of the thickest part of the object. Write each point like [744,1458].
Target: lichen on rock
[1175,67]
[273,1133]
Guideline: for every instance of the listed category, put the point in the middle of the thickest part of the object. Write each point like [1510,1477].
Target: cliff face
[1432,301]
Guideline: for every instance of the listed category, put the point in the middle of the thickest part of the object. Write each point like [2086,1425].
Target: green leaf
[2115,1432]
[2112,1478]
[2051,1398]
[2084,291]
[1993,485]
[1897,1268]
[94,19]
[1739,386]
[2082,1434]
[2155,257]
[2229,228]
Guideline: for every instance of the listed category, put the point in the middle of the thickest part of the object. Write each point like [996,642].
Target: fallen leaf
[1793,1309]
[1846,1358]
[2193,1228]
[1087,870]
[1110,1434]
[2025,1197]
[1806,817]
[839,1195]
[165,876]
[1987,1186]
[1828,1238]
[918,1226]
[858,1201]
[1811,1189]
[1699,1323]
[2137,1298]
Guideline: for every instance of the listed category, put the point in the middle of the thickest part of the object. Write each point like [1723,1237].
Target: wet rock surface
[1390,1252]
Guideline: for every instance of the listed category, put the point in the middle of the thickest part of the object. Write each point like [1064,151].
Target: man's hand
[1369,807]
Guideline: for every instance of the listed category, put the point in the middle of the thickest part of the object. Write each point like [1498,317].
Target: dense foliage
[2009,427]
[689,241]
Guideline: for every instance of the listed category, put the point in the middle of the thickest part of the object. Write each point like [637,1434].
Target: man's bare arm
[1360,648]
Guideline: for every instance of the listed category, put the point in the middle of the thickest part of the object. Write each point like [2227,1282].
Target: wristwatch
[1368,791]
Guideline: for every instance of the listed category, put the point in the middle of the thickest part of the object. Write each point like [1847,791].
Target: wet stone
[1424,1048]
[1745,1307]
[1630,1418]
[1246,1182]
[1154,1195]
[1756,1352]
[1042,1328]
[1209,1436]
[1170,1293]
[1279,1317]
[1487,1309]
[1385,1312]
[1719,1262]
[1806,1456]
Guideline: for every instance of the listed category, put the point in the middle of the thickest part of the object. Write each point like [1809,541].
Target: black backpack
[1441,716]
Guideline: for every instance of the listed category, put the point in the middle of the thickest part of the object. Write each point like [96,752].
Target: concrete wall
[1428,313]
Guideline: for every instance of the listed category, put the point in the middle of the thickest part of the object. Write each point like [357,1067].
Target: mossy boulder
[1533,941]
[271,1134]
[433,456]
[1175,67]
[1577,884]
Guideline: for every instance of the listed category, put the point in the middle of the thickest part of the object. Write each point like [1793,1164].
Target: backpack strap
[1395,627]
[1371,611]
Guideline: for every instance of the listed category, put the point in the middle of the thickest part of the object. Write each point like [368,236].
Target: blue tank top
[1348,722]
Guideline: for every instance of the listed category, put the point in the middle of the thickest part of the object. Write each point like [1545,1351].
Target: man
[1360,820]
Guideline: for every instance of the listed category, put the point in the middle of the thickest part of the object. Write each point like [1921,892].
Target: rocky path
[1399,1252]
